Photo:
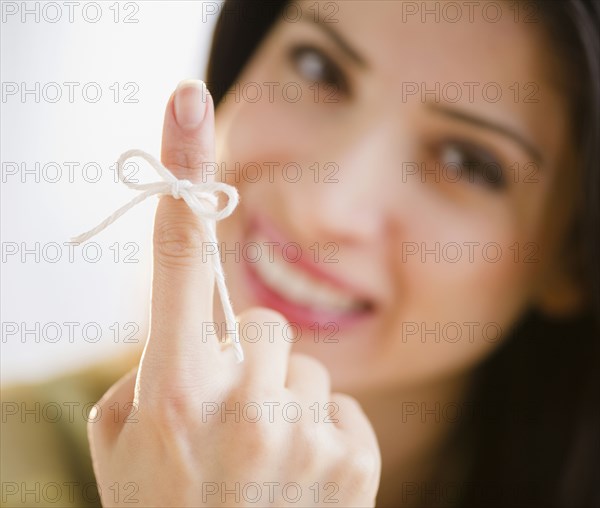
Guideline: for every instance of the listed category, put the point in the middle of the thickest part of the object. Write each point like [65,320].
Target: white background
[170,42]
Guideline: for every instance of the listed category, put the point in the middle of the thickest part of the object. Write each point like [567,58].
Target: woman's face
[420,169]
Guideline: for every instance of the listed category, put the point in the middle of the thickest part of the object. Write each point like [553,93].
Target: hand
[176,446]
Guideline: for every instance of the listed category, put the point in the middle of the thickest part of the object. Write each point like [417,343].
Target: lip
[300,315]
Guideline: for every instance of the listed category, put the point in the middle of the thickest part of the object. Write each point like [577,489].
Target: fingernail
[190,103]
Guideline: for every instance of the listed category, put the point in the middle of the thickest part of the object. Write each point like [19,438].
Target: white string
[202,200]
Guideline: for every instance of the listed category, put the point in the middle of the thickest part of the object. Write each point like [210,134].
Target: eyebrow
[492,126]
[334,35]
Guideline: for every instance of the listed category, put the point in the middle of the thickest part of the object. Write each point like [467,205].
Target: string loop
[202,198]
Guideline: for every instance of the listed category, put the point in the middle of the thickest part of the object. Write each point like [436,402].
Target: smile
[300,289]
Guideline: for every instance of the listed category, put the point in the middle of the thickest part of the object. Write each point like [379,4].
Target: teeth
[296,286]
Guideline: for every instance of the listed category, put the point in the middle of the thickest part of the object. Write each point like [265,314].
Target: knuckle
[247,410]
[170,417]
[167,405]
[178,241]
[94,421]
[261,439]
[312,368]
[309,449]
[185,161]
[101,416]
[361,468]
[261,435]
[103,422]
[365,463]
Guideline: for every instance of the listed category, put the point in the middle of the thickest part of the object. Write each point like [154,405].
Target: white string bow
[203,201]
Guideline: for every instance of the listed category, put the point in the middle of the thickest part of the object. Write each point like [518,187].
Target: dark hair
[533,437]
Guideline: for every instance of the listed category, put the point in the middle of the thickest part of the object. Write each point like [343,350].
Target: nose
[349,201]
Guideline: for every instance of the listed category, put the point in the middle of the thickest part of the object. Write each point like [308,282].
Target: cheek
[252,133]
[269,152]
[460,288]
[267,131]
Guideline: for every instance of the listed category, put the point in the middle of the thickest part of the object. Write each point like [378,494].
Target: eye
[314,66]
[471,164]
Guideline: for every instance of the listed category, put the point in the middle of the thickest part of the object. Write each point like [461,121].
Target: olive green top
[44,454]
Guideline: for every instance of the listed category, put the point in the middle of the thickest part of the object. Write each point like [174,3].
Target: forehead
[484,40]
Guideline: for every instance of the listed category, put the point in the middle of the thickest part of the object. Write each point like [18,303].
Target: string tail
[158,188]
[237,347]
[230,321]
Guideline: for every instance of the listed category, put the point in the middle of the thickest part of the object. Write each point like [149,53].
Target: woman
[435,170]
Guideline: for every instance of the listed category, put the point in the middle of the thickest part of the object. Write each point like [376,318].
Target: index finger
[182,340]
